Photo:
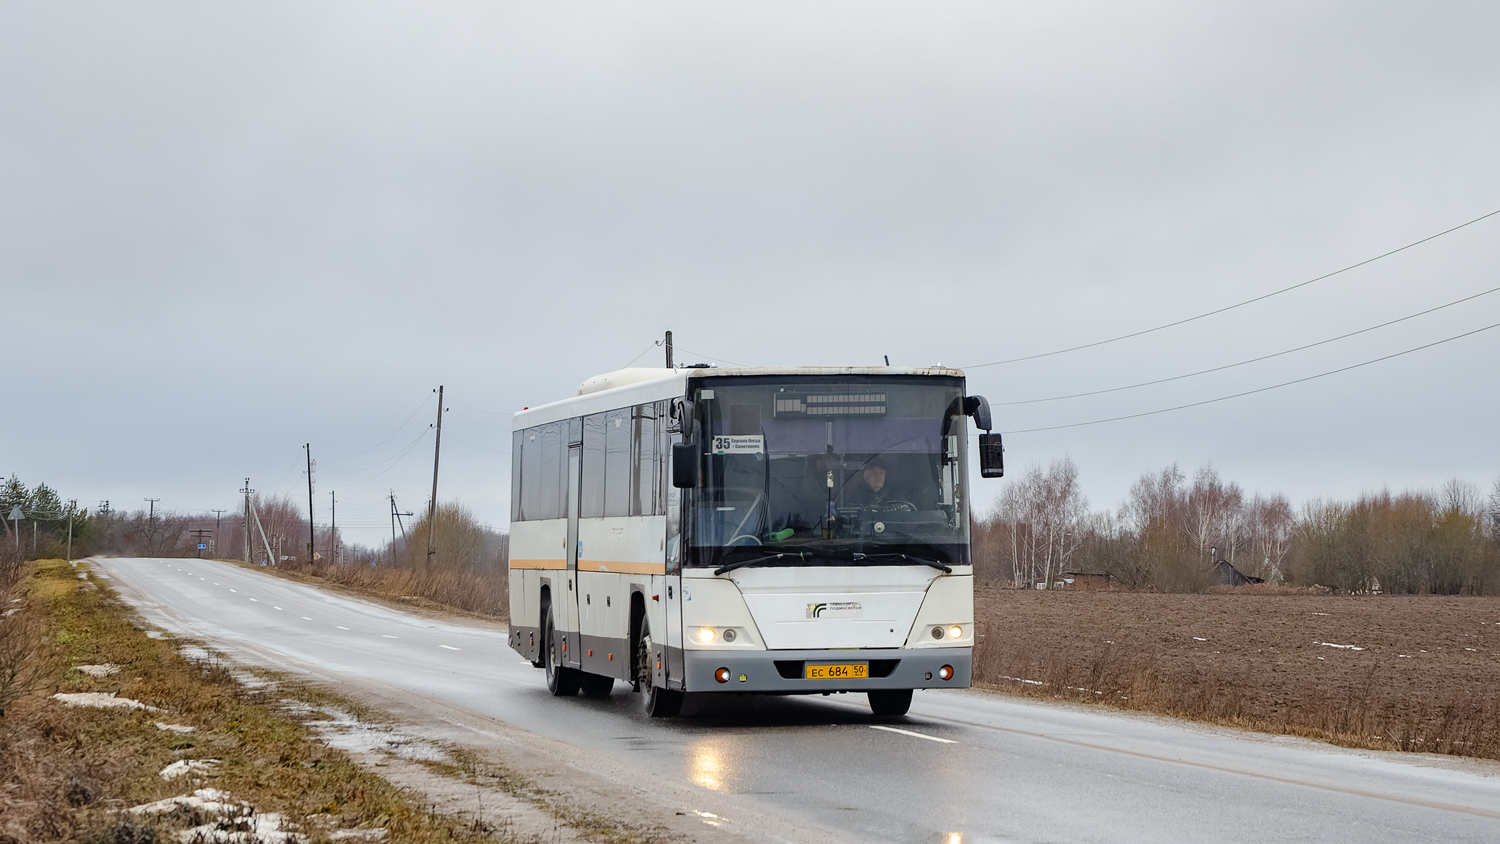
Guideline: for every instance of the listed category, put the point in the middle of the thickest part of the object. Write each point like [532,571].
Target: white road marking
[912,734]
[234,590]
[305,618]
[343,628]
[449,647]
[216,584]
[386,636]
[253,600]
[274,607]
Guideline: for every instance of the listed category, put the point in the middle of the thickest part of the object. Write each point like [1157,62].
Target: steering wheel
[750,537]
[894,506]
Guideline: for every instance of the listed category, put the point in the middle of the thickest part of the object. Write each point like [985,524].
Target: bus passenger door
[674,550]
[575,463]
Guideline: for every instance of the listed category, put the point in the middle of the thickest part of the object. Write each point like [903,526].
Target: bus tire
[890,703]
[657,701]
[597,685]
[561,681]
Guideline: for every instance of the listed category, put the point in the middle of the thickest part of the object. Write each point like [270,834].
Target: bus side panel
[618,556]
[536,554]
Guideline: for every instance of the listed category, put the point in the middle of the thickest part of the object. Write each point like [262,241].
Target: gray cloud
[226,231]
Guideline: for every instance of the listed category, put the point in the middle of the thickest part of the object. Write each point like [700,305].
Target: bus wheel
[597,685]
[889,703]
[562,682]
[658,702]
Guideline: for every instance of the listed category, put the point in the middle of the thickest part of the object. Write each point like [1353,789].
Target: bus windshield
[822,470]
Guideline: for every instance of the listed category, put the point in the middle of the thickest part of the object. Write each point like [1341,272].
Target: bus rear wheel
[657,701]
[890,703]
[597,685]
[561,681]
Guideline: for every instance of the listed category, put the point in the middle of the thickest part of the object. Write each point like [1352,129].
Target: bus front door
[571,658]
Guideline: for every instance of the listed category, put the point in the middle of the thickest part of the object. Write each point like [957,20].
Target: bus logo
[836,609]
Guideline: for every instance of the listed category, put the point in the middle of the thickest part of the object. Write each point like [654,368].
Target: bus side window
[672,497]
[643,461]
[592,504]
[515,476]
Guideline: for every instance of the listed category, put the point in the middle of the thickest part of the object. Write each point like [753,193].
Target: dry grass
[1390,673]
[434,587]
[66,774]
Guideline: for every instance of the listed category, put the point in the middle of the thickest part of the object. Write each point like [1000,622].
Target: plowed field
[1415,673]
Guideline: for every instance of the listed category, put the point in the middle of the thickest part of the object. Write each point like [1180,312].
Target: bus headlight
[955,632]
[706,635]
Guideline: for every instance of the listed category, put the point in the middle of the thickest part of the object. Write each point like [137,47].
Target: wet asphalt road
[963,767]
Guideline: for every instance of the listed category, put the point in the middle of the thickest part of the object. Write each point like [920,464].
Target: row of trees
[459,539]
[1168,532]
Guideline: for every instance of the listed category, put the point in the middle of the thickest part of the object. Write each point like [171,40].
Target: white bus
[752,530]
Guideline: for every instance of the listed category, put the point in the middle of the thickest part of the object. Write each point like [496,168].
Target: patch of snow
[357,835]
[194,653]
[1003,677]
[1320,613]
[269,828]
[1199,639]
[99,672]
[83,575]
[1471,649]
[100,700]
[9,613]
[345,732]
[1403,656]
[208,800]
[157,634]
[1341,647]
[188,767]
[175,728]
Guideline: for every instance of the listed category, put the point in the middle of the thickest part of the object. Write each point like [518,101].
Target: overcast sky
[230,229]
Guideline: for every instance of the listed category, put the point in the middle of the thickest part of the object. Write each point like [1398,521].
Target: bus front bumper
[784,672]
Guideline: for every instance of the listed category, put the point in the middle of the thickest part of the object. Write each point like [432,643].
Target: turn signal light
[945,673]
[722,675]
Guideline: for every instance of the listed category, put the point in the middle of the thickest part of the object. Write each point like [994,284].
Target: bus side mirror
[991,456]
[685,465]
[979,408]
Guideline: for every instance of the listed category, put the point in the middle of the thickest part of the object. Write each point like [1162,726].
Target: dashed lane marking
[274,607]
[253,599]
[912,734]
[449,647]
[305,618]
[386,636]
[342,628]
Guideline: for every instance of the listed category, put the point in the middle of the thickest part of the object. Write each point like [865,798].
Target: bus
[790,530]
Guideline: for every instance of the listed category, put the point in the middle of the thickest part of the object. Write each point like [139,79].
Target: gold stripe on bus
[539,564]
[622,568]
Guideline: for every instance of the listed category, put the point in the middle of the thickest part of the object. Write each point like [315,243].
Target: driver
[872,487]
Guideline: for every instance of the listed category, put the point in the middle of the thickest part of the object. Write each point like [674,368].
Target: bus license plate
[847,671]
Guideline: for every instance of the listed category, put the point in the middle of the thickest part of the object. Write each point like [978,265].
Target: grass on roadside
[68,774]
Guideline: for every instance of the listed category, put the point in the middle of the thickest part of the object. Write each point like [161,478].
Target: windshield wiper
[766,557]
[923,560]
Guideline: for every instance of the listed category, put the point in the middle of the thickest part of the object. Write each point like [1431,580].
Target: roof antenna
[887,360]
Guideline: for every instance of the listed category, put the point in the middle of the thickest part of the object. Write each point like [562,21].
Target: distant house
[1228,575]
[1090,581]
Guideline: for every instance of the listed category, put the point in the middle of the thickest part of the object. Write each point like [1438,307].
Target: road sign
[16,515]
[201,546]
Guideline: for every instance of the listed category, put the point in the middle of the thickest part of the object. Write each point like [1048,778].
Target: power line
[1259,390]
[1251,360]
[413,415]
[711,357]
[1237,304]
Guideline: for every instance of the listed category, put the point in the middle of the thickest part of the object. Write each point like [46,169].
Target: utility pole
[71,504]
[396,520]
[668,344]
[151,524]
[152,518]
[218,517]
[198,540]
[310,550]
[333,527]
[247,490]
[437,445]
